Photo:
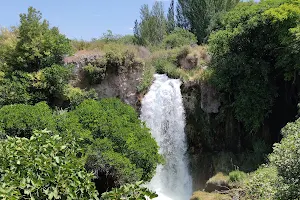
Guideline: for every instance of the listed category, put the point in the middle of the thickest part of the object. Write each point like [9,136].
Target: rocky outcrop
[119,81]
[122,85]
[210,101]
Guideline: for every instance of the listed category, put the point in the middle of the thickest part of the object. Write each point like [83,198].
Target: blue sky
[78,18]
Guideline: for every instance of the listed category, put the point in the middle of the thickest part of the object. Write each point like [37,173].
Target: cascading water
[162,110]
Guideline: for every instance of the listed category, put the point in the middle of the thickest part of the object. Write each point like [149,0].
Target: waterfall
[162,110]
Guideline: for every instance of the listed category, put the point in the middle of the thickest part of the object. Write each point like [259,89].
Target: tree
[171,18]
[38,45]
[199,14]
[153,25]
[31,62]
[254,53]
[181,20]
[45,166]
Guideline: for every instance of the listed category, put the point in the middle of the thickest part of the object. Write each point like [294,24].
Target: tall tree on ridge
[200,13]
[171,18]
[153,25]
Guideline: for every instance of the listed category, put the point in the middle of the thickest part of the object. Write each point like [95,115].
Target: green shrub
[262,184]
[75,95]
[45,166]
[129,191]
[179,37]
[94,74]
[237,176]
[14,90]
[112,119]
[21,120]
[55,79]
[285,158]
[147,78]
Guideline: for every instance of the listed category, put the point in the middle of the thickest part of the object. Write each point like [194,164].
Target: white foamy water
[163,111]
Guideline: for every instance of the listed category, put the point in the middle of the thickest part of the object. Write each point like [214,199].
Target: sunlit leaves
[45,166]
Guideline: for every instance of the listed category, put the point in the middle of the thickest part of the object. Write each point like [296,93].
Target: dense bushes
[279,179]
[129,191]
[116,143]
[46,166]
[286,159]
[45,153]
[262,184]
[131,143]
[20,120]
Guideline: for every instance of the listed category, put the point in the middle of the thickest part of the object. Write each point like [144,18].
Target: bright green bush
[31,59]
[237,176]
[8,42]
[179,37]
[45,166]
[279,180]
[14,90]
[129,191]
[94,74]
[55,80]
[286,158]
[262,184]
[112,119]
[20,120]
[75,95]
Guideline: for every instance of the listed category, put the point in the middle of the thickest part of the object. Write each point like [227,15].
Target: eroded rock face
[122,85]
[210,101]
[119,82]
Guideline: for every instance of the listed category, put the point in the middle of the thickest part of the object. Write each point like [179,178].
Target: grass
[199,195]
[219,178]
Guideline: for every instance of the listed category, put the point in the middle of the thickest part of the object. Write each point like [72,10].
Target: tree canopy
[254,47]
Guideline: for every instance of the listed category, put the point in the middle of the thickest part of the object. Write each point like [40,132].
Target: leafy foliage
[237,176]
[130,192]
[196,15]
[179,37]
[132,146]
[31,58]
[250,52]
[75,95]
[285,158]
[43,167]
[279,180]
[171,18]
[38,45]
[20,120]
[153,25]
[262,184]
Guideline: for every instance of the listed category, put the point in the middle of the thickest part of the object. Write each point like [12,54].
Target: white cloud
[130,28]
